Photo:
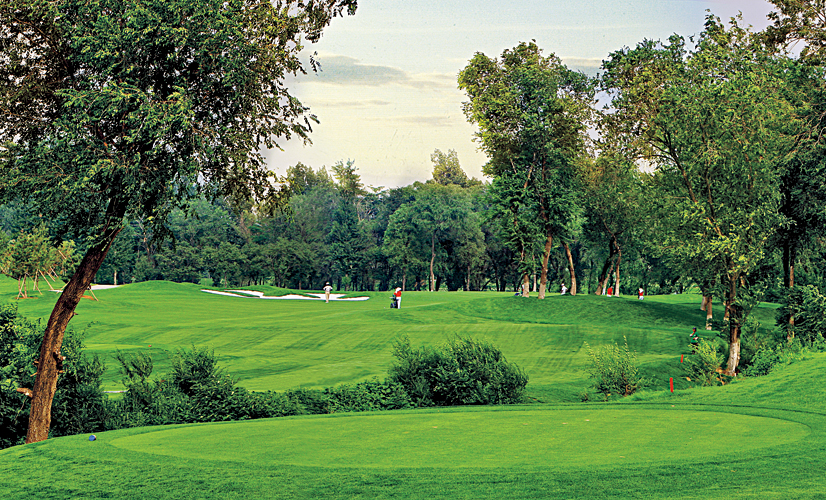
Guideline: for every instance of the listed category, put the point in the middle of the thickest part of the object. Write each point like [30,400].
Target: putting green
[547,437]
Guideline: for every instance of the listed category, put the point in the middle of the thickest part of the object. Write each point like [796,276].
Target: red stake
[671,383]
[681,357]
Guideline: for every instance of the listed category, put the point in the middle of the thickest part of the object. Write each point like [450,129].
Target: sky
[387,97]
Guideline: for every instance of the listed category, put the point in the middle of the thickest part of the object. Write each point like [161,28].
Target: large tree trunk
[734,312]
[526,285]
[571,270]
[543,280]
[50,362]
[617,273]
[709,314]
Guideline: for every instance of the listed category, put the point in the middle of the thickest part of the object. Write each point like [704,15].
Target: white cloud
[345,70]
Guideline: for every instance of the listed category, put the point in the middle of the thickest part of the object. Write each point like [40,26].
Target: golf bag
[394,303]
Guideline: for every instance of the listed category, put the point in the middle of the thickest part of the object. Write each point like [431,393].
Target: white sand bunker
[260,295]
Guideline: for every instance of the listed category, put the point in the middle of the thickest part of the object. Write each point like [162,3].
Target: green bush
[79,404]
[786,352]
[614,369]
[703,365]
[463,371]
[197,390]
[368,396]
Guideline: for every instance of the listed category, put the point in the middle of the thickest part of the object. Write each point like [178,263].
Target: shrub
[461,372]
[197,390]
[614,369]
[368,396]
[702,367]
[785,353]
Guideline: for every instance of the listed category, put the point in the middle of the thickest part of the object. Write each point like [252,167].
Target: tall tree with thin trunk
[532,114]
[125,108]
[715,123]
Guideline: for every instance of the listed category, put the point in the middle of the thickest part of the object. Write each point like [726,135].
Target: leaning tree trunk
[543,280]
[50,362]
[571,270]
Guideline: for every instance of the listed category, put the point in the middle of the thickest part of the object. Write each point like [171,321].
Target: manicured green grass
[567,438]
[740,441]
[285,344]
[755,438]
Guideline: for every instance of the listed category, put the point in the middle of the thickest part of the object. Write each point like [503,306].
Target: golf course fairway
[555,438]
[757,437]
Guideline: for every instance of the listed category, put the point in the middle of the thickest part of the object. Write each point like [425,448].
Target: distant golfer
[564,289]
[327,290]
[694,339]
[398,295]
[640,293]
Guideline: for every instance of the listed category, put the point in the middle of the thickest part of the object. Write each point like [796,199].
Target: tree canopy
[129,108]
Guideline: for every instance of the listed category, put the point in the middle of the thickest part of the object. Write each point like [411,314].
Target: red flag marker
[671,383]
[681,357]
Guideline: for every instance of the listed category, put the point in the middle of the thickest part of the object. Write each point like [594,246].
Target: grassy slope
[763,437]
[278,345]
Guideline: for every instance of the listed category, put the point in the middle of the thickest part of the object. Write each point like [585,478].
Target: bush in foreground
[463,371]
[614,369]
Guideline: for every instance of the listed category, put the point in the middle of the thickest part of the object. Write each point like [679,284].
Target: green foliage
[704,365]
[79,403]
[463,371]
[372,395]
[614,369]
[808,308]
[446,169]
[792,350]
[196,389]
[19,341]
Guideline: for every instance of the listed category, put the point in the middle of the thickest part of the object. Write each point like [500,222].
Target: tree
[513,212]
[345,242]
[613,206]
[446,169]
[532,113]
[799,23]
[403,246]
[715,124]
[123,108]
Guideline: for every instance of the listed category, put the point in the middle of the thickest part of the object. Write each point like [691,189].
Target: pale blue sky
[387,95]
